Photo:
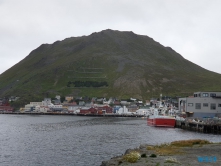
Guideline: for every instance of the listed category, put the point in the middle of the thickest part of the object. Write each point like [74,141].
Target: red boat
[161,120]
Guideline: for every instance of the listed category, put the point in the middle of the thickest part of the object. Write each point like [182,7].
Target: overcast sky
[191,27]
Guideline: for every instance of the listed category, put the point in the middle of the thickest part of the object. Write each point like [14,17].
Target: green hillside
[108,63]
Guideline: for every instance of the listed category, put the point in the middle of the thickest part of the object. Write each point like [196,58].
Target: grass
[175,147]
[188,143]
[132,157]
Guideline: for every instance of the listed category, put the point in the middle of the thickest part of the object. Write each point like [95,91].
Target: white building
[123,110]
[144,112]
[55,107]
[39,105]
[41,109]
[28,108]
[36,103]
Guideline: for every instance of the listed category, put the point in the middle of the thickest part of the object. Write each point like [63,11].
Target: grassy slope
[133,65]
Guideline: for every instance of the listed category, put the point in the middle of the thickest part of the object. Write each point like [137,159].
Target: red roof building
[6,108]
[88,111]
[105,109]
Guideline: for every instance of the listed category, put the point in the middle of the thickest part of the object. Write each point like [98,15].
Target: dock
[209,126]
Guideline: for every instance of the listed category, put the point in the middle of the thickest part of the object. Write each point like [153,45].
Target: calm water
[79,141]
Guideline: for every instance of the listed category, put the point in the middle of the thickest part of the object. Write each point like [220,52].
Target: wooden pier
[210,127]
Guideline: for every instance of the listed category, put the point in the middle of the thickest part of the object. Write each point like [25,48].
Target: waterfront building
[122,110]
[132,108]
[143,111]
[116,109]
[41,106]
[105,110]
[72,107]
[201,104]
[55,108]
[87,110]
[6,108]
[28,108]
[41,109]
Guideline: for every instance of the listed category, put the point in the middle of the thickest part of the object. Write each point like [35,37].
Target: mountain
[106,64]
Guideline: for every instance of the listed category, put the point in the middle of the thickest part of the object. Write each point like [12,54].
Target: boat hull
[161,122]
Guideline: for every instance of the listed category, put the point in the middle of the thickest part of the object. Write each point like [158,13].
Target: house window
[205,95]
[212,106]
[205,104]
[198,106]
[212,95]
[219,105]
[190,104]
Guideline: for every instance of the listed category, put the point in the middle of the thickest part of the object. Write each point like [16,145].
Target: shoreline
[197,155]
[70,114]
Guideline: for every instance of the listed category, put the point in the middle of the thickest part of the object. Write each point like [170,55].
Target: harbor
[206,125]
[197,113]
[82,140]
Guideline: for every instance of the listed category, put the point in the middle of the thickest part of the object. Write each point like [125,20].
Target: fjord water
[78,141]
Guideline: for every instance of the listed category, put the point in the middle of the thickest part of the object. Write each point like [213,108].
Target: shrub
[143,155]
[120,162]
[132,157]
[153,155]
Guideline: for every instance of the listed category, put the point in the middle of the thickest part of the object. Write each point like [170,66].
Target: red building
[105,109]
[98,110]
[6,108]
[88,111]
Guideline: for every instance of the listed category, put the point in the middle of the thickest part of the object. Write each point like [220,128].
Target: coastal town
[86,105]
[201,104]
[200,112]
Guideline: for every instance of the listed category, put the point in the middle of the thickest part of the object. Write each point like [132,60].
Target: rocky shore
[182,153]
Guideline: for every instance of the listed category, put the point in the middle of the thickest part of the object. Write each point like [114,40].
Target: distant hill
[106,64]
